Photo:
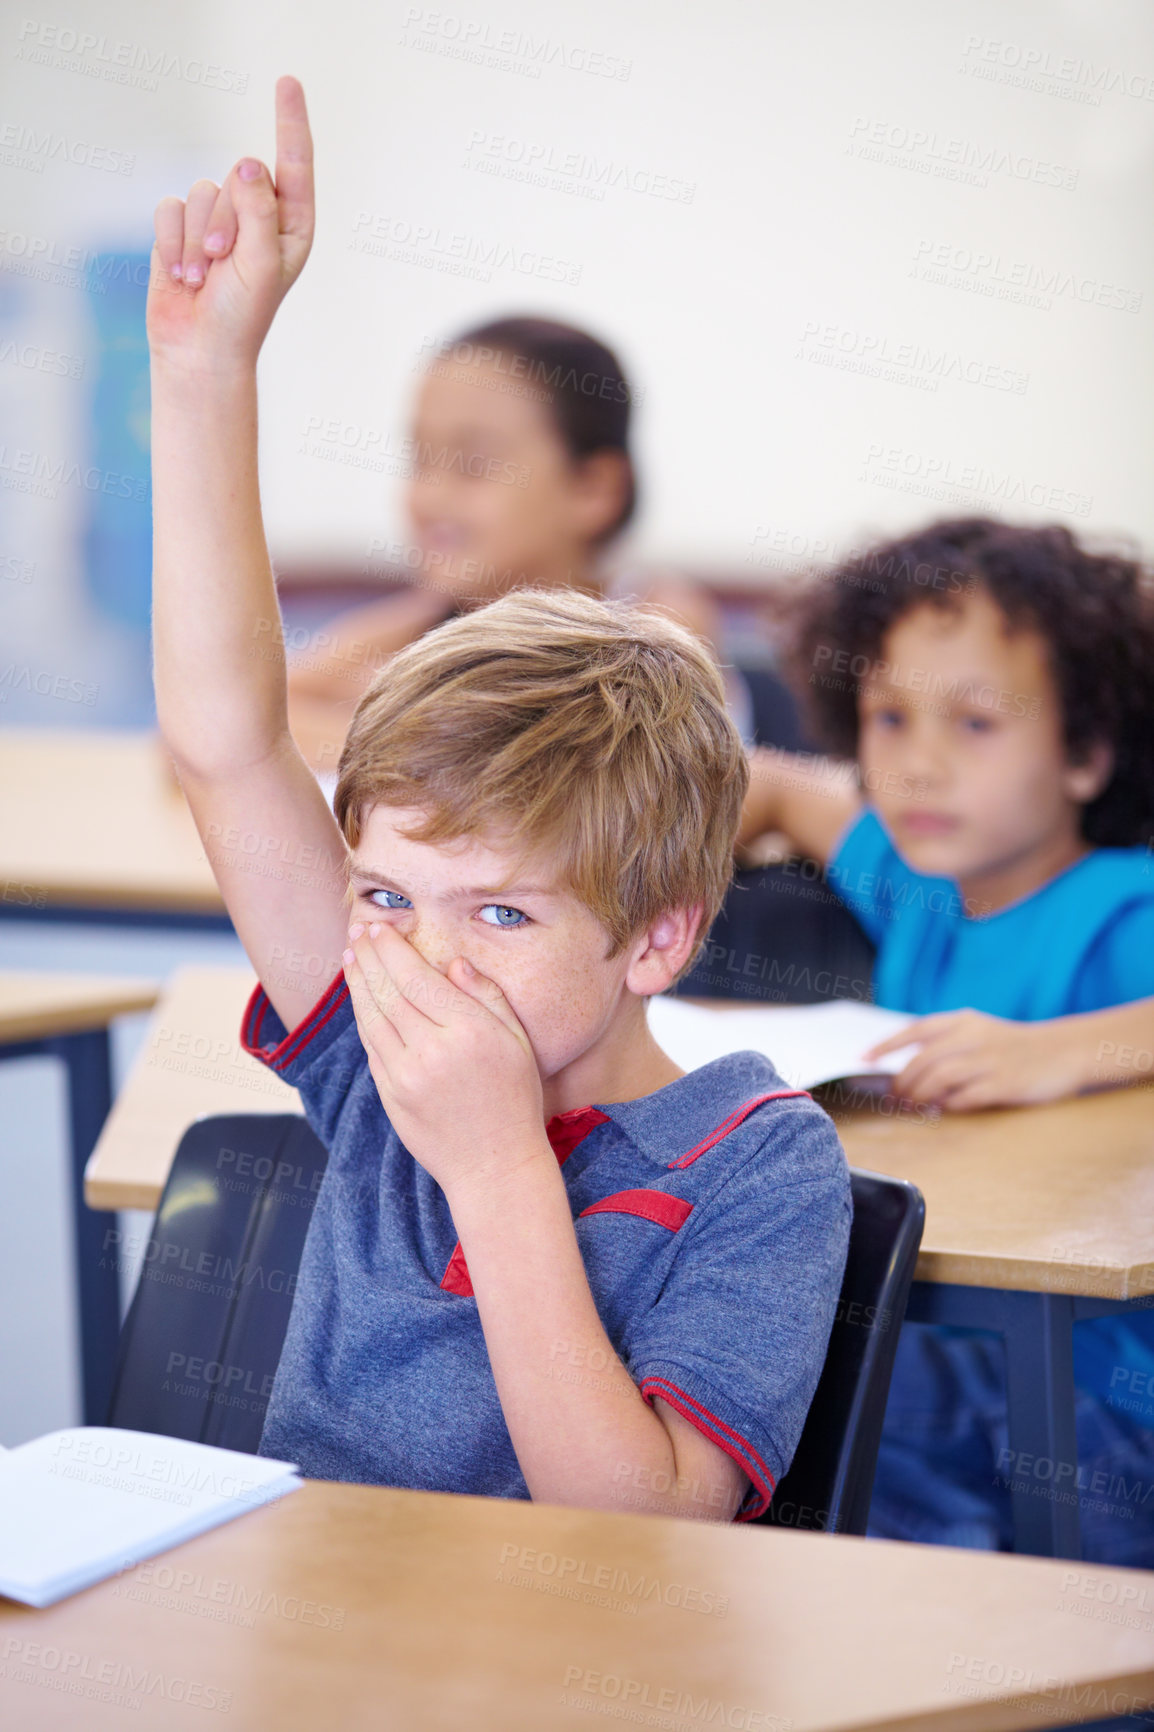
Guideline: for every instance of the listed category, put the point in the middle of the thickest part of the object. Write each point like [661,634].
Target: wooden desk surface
[93,819]
[1053,1199]
[191,1064]
[360,1608]
[1050,1199]
[35,1006]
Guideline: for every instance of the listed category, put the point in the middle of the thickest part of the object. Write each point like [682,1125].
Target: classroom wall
[866,264]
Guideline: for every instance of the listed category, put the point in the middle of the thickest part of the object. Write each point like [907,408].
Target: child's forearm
[579,1425]
[1108,1047]
[810,798]
[217,642]
[763,802]
[345,654]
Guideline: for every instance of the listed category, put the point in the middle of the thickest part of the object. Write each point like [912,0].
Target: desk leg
[1038,1330]
[1043,1470]
[88,1062]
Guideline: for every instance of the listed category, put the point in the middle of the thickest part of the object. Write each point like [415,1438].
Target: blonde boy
[543,1261]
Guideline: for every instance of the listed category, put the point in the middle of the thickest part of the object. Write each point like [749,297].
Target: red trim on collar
[732,1122]
[564,1131]
[456,1277]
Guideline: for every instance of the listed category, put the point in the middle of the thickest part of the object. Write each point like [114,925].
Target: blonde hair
[589,731]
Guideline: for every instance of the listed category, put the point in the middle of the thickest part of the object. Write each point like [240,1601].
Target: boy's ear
[1084,780]
[663,949]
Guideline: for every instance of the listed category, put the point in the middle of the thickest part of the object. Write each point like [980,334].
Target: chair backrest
[201,1342]
[830,1479]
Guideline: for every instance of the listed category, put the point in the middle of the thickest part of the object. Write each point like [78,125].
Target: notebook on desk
[80,1505]
[807,1044]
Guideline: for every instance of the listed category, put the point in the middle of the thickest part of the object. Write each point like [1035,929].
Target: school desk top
[358,1607]
[190,1065]
[37,1006]
[1053,1199]
[95,819]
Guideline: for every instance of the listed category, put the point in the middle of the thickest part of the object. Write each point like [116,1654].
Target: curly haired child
[995,684]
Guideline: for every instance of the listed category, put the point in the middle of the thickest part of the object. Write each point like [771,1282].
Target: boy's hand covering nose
[453,1066]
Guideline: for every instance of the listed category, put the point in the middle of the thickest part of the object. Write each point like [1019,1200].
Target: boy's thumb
[254,199]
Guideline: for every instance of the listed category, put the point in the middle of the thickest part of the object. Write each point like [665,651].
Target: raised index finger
[294,161]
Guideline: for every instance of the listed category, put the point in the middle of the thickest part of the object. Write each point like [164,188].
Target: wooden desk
[66,1016]
[362,1608]
[191,1065]
[93,821]
[1035,1216]
[1011,1199]
[37,1006]
[1049,1199]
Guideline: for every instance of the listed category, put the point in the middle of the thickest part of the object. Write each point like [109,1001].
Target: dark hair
[579,378]
[1095,612]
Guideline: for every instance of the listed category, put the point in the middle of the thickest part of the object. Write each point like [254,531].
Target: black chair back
[201,1342]
[830,1479]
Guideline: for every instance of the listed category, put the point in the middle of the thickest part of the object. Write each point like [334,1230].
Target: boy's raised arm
[222,263]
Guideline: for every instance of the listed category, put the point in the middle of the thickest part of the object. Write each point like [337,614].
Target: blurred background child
[521,473]
[996,686]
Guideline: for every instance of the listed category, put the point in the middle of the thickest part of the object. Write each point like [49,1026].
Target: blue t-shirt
[712,1217]
[1083,942]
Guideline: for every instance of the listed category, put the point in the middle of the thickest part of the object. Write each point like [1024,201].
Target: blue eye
[977,724]
[393,899]
[503,916]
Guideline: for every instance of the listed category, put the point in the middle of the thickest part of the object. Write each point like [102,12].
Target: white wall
[763,108]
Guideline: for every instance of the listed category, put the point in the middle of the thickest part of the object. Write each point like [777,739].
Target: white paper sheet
[807,1044]
[77,1506]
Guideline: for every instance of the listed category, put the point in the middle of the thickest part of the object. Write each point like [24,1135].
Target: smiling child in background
[521,474]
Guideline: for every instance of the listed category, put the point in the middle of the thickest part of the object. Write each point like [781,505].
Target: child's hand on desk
[452,1064]
[225,258]
[970,1060]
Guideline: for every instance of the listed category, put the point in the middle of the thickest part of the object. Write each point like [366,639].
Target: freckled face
[544,948]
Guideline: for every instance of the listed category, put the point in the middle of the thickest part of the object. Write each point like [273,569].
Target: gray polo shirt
[712,1217]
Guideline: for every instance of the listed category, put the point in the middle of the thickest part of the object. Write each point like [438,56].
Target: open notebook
[807,1043]
[77,1506]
